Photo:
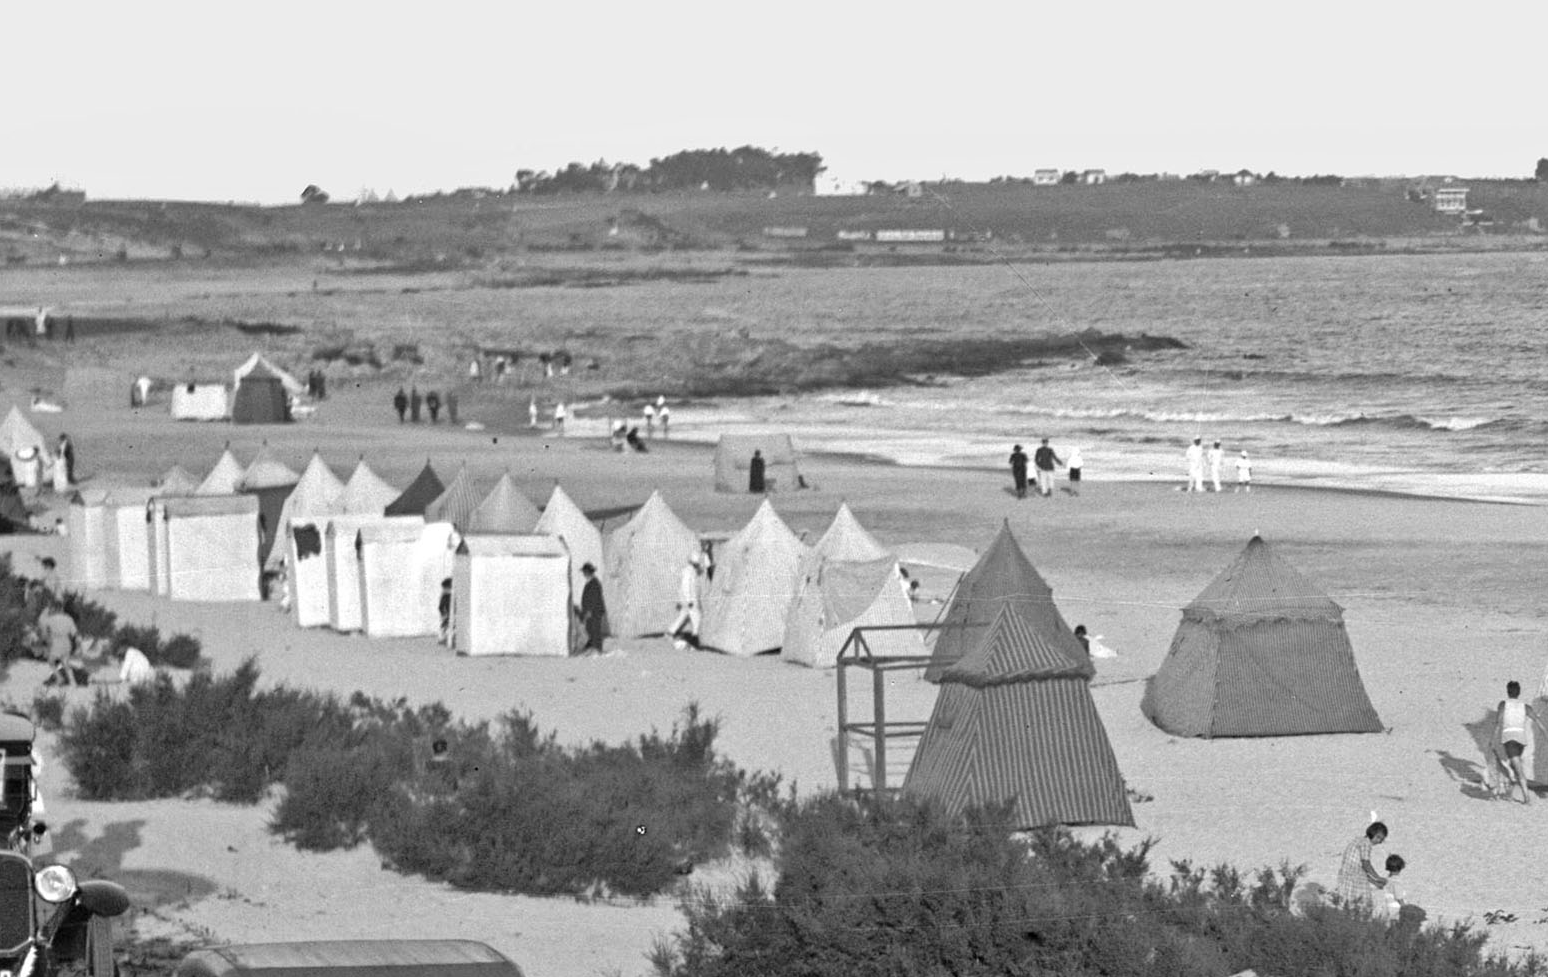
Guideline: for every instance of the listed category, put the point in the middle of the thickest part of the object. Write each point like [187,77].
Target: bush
[92,620]
[178,651]
[48,711]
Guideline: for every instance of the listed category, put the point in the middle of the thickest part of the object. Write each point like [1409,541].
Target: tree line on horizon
[743,168]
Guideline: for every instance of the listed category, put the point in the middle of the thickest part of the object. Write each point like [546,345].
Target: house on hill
[1045,178]
[1093,177]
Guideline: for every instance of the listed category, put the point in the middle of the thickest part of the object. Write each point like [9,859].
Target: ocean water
[1420,374]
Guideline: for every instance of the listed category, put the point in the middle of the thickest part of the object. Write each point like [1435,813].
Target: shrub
[178,651]
[48,711]
[92,620]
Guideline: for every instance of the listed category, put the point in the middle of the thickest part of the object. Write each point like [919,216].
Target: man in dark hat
[593,610]
[400,404]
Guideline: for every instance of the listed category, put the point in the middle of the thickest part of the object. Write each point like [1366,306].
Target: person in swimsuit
[1510,727]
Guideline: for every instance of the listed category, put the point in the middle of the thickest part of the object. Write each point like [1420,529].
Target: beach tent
[511,596]
[756,574]
[735,451]
[314,495]
[504,510]
[365,494]
[456,504]
[306,574]
[643,562]
[87,521]
[402,564]
[177,480]
[1260,652]
[341,561]
[258,360]
[14,517]
[127,556]
[200,402]
[836,596]
[94,388]
[272,481]
[414,500]
[1002,577]
[260,398]
[1014,721]
[846,539]
[564,519]
[17,437]
[206,547]
[224,479]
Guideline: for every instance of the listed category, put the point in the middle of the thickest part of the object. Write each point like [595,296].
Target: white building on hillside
[1045,178]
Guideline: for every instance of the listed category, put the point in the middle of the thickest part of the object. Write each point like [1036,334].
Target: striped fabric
[456,504]
[1260,652]
[1003,577]
[1014,720]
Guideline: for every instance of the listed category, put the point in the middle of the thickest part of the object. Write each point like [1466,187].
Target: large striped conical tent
[1014,721]
[504,510]
[456,504]
[755,580]
[1002,577]
[314,495]
[563,518]
[1260,652]
[365,494]
[643,563]
[423,490]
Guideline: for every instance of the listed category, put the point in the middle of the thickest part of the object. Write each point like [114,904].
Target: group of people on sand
[1044,461]
[1360,884]
[626,435]
[1198,456]
[409,403]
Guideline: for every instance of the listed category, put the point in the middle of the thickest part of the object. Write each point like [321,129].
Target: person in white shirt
[663,414]
[685,629]
[650,419]
[1195,456]
[1216,462]
[559,415]
[1391,898]
[136,669]
[1243,474]
[1073,464]
[532,412]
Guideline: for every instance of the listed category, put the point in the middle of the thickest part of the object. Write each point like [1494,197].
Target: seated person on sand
[633,438]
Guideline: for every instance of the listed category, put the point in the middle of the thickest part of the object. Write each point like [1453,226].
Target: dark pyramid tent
[260,398]
[1014,721]
[423,490]
[1002,577]
[1260,652]
[456,504]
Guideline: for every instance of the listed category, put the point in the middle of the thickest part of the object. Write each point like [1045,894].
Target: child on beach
[1392,898]
[1243,473]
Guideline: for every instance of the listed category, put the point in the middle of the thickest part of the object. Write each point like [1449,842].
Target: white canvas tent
[504,511]
[306,574]
[642,563]
[342,562]
[208,547]
[838,596]
[314,495]
[756,574]
[16,435]
[200,402]
[365,494]
[127,556]
[87,520]
[564,519]
[401,569]
[511,596]
[293,386]
[225,478]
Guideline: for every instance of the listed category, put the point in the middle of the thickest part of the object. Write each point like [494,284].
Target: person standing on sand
[1243,473]
[685,628]
[755,482]
[1358,879]
[475,371]
[593,609]
[414,401]
[1045,460]
[663,414]
[650,419]
[400,404]
[451,407]
[559,415]
[1195,456]
[1018,465]
[1510,731]
[532,412]
[433,405]
[1074,465]
[66,450]
[1216,462]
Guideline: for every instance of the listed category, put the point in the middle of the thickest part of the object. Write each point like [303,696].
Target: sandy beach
[1441,599]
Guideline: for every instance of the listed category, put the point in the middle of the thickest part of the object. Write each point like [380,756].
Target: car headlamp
[54,883]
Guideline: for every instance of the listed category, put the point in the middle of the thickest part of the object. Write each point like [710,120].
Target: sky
[252,100]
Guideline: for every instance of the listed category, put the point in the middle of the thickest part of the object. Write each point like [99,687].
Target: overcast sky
[254,99]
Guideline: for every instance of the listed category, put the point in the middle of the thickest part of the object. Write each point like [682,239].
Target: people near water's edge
[400,404]
[1243,473]
[1045,460]
[755,482]
[685,627]
[1018,467]
[1216,462]
[650,419]
[1510,731]
[1073,466]
[1083,638]
[593,609]
[559,417]
[1195,457]
[1358,880]
[663,414]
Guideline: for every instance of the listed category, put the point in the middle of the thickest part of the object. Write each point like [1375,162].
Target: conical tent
[365,494]
[845,539]
[1260,652]
[423,490]
[564,519]
[504,510]
[224,479]
[314,495]
[643,563]
[271,480]
[456,504]
[177,480]
[258,360]
[1002,577]
[837,596]
[1014,721]
[755,580]
[17,435]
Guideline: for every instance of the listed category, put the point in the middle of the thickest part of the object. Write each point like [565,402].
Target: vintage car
[337,958]
[49,921]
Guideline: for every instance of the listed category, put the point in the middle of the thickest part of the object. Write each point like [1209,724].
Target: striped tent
[1260,652]
[504,510]
[456,504]
[1014,721]
[1002,577]
[423,490]
[643,564]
